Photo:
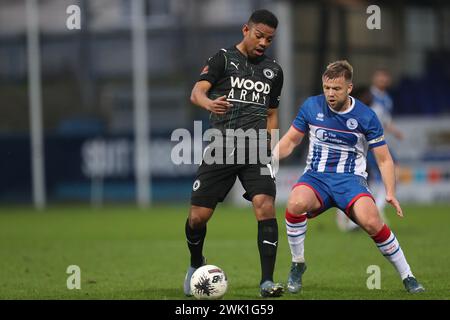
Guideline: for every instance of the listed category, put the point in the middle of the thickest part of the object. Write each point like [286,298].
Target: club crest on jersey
[196,185]
[352,124]
[269,74]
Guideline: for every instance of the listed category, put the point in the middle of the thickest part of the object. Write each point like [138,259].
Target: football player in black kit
[240,87]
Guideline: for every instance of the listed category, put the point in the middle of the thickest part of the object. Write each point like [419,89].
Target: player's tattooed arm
[200,98]
[387,169]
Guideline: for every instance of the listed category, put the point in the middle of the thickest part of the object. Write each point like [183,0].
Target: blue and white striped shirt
[338,140]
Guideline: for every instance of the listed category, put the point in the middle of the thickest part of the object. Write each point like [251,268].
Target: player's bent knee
[376,225]
[264,206]
[263,202]
[297,206]
[372,225]
[198,216]
[197,222]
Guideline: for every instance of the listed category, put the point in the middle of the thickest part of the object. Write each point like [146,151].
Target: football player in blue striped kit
[341,130]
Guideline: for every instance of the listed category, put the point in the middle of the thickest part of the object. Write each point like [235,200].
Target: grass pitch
[127,253]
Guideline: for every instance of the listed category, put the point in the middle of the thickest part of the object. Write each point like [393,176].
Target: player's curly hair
[265,17]
[337,69]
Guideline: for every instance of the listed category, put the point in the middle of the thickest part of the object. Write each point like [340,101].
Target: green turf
[126,253]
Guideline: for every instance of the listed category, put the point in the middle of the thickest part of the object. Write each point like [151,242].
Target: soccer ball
[209,282]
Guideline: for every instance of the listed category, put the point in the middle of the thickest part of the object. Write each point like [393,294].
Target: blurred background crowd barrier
[88,102]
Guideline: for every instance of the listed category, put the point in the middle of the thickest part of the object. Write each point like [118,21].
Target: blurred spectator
[382,102]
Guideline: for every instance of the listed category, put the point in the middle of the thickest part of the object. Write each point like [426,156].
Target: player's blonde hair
[337,69]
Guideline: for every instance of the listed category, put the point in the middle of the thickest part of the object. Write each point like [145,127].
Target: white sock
[390,248]
[296,233]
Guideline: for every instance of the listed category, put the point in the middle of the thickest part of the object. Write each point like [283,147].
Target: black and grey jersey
[251,85]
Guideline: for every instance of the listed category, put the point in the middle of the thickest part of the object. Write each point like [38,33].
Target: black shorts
[214,181]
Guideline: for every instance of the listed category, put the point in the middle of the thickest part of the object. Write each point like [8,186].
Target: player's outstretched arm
[200,98]
[387,169]
[287,143]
